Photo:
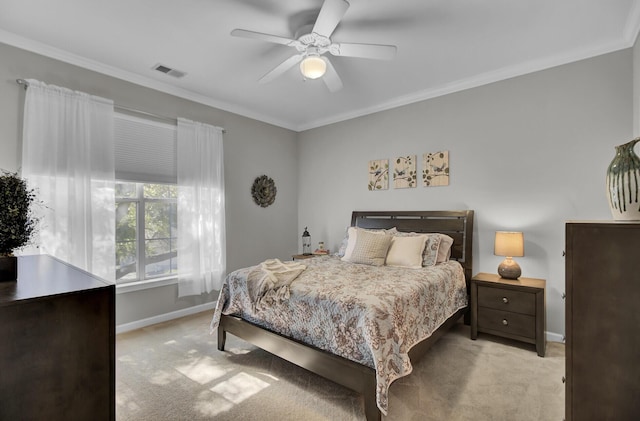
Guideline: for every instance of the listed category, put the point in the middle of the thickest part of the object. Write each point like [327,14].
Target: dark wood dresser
[602,321]
[57,349]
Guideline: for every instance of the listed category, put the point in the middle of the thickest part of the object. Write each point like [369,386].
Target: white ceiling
[443,46]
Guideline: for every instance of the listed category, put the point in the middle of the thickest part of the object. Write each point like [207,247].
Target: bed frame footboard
[355,376]
[352,375]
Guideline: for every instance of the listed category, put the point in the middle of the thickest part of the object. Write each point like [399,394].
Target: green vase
[623,182]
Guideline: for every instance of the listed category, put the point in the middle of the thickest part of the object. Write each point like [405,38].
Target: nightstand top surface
[303,256]
[522,281]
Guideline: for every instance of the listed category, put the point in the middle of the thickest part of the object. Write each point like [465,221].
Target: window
[146,231]
[146,156]
[146,199]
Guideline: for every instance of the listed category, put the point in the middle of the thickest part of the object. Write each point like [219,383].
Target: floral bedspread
[369,314]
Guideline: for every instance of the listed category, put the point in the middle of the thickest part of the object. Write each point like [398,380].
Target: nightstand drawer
[507,322]
[507,300]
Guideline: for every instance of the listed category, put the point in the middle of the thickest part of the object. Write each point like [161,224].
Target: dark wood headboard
[456,224]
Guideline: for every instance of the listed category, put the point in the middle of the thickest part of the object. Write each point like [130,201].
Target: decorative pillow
[343,244]
[352,234]
[406,251]
[444,250]
[371,248]
[430,253]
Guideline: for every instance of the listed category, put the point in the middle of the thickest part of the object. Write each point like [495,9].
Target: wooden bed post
[222,336]
[371,410]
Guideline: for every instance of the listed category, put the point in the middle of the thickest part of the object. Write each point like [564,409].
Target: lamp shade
[313,67]
[509,243]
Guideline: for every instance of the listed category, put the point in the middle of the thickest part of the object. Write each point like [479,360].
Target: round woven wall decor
[264,191]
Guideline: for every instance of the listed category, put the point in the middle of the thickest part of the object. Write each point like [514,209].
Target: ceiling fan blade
[243,33]
[331,78]
[330,15]
[281,68]
[374,51]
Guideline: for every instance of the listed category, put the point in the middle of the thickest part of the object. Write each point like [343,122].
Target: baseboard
[126,327]
[554,337]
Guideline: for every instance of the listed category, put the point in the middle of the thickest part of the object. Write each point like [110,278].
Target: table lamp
[509,244]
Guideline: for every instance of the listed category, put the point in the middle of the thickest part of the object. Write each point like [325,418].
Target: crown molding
[632,28]
[476,81]
[96,66]
[628,39]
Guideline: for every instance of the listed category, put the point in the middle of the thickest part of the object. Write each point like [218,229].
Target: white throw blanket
[269,282]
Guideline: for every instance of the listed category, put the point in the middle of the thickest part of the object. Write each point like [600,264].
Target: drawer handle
[564,380]
[505,322]
[505,300]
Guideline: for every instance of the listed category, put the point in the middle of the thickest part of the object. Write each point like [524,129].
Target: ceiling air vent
[168,70]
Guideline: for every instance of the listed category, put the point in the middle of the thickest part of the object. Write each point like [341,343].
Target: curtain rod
[123,108]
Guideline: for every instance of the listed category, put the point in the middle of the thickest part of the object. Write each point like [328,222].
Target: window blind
[145,150]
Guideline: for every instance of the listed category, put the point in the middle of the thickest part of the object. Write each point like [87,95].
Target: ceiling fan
[313,40]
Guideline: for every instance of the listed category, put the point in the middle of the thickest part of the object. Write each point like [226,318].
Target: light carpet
[173,371]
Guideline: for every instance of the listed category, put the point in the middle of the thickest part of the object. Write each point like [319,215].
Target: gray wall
[251,148]
[526,154]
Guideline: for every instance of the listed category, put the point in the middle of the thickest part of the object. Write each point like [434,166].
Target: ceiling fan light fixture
[313,67]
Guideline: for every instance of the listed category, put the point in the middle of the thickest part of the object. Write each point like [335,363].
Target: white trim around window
[146,284]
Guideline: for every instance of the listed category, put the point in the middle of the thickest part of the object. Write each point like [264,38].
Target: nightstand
[301,256]
[509,308]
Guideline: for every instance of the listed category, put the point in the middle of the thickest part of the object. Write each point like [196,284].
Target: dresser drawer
[507,300]
[507,322]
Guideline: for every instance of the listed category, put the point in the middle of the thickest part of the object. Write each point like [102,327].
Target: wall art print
[404,172]
[379,174]
[435,169]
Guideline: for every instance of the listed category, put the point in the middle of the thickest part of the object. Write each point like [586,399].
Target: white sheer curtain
[67,156]
[201,217]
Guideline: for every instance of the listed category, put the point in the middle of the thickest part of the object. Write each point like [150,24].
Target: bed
[367,367]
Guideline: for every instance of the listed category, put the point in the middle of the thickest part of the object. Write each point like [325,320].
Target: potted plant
[17,221]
